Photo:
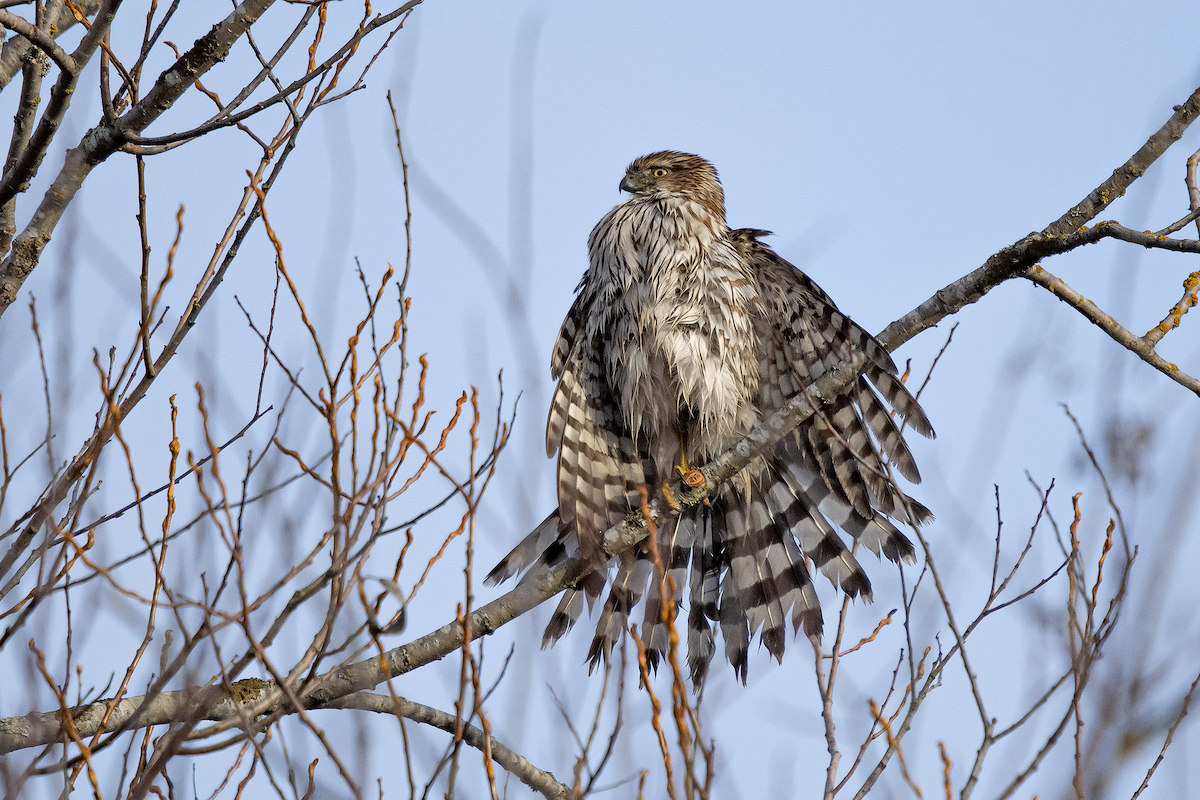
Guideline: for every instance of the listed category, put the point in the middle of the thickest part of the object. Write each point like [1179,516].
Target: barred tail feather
[921,514]
[733,628]
[796,587]
[836,465]
[748,591]
[820,542]
[793,584]
[703,597]
[530,549]
[590,585]
[731,614]
[627,589]
[564,617]
[675,549]
[882,537]
[875,532]
[700,645]
[855,460]
[762,549]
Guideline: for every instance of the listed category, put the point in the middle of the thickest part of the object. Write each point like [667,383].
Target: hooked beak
[628,185]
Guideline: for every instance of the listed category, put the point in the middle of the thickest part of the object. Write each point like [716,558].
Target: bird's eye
[659,172]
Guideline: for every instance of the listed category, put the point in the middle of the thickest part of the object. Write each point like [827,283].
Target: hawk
[684,334]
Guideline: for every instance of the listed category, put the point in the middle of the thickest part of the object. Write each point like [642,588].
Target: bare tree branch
[540,781]
[1017,258]
[13,53]
[44,41]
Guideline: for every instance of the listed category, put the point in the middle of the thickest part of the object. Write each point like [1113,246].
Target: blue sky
[890,147]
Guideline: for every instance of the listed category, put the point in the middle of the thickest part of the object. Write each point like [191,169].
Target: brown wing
[599,466]
[816,336]
[745,553]
[801,337]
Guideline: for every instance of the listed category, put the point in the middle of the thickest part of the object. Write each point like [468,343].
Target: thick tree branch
[102,141]
[1015,259]
[16,180]
[44,41]
[14,52]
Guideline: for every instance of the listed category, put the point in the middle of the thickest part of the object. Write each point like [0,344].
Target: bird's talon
[669,496]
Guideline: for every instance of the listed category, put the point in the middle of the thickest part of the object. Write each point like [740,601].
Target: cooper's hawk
[685,334]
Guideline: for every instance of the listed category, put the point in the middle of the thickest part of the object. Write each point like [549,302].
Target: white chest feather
[674,302]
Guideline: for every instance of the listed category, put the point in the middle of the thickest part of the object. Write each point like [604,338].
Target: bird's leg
[692,477]
[682,466]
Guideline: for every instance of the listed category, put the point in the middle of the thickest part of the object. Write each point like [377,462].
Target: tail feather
[835,464]
[874,530]
[818,539]
[855,462]
[880,536]
[529,550]
[859,461]
[571,605]
[731,613]
[762,549]
[675,549]
[564,617]
[734,628]
[793,584]
[796,585]
[748,591]
[627,589]
[703,597]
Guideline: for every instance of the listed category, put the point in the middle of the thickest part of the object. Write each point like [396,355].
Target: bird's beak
[628,185]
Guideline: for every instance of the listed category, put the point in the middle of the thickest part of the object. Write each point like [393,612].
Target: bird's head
[672,174]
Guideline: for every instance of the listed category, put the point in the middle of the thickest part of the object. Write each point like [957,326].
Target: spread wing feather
[599,466]
[745,556]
